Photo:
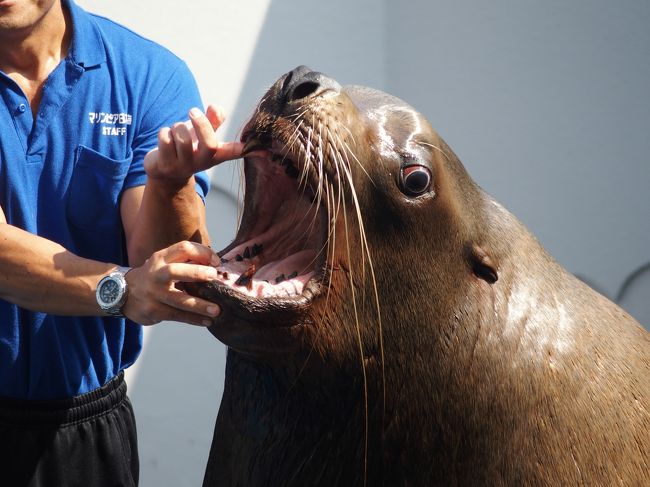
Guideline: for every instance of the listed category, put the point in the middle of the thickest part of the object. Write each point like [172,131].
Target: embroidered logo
[111,123]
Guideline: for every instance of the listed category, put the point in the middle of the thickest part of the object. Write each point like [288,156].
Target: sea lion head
[357,220]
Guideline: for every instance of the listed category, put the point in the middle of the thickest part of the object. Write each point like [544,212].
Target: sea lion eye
[415,180]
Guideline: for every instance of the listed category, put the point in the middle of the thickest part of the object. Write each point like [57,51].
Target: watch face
[109,292]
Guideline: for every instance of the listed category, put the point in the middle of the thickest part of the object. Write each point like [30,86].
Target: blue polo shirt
[61,177]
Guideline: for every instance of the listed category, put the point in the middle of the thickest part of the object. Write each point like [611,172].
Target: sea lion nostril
[287,81]
[303,90]
[302,83]
[292,79]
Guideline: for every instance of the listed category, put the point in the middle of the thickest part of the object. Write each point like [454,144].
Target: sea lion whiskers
[319,165]
[331,243]
[302,181]
[444,154]
[320,172]
[347,171]
[241,188]
[351,152]
[328,246]
[311,159]
[360,164]
[366,251]
[342,164]
[294,139]
[295,136]
[360,343]
[302,188]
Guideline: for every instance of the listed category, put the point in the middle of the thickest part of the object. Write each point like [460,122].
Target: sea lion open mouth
[277,254]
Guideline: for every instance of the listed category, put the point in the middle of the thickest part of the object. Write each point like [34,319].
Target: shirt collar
[87,46]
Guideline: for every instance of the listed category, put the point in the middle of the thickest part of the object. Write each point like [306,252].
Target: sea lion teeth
[246,278]
[292,275]
[223,260]
[239,258]
[257,250]
[280,279]
[247,253]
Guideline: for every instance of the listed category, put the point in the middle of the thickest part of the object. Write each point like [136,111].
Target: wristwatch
[112,291]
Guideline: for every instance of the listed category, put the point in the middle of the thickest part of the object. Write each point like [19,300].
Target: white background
[547,104]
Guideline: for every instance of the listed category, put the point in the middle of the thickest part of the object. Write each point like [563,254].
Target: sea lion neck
[285,410]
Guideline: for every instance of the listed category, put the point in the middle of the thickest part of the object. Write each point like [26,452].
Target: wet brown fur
[534,379]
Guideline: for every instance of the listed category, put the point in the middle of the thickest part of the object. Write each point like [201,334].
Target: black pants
[88,441]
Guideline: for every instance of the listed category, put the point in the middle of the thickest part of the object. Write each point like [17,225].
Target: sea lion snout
[302,82]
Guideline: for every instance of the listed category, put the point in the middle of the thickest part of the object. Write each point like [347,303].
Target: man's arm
[40,275]
[167,210]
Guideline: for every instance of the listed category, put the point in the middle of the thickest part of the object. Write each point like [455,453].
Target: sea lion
[389,323]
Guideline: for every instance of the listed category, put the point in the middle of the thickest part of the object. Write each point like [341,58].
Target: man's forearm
[40,275]
[167,214]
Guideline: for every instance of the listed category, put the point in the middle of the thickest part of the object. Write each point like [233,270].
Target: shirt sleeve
[172,100]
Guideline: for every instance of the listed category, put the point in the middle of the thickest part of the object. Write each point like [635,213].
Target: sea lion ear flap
[482,264]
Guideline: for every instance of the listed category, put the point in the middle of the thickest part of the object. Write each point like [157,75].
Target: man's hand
[153,295]
[189,147]
[168,209]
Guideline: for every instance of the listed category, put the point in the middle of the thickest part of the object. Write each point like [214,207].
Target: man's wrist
[112,291]
[167,187]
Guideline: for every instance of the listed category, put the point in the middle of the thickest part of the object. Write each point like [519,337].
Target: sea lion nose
[302,82]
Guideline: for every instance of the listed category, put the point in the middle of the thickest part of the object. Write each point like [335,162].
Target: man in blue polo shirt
[82,103]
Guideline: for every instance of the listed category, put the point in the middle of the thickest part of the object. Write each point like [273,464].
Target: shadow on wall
[633,296]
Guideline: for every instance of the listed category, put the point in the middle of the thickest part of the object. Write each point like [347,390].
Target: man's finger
[170,313]
[182,272]
[164,151]
[205,133]
[183,142]
[186,250]
[227,151]
[191,304]
[216,115]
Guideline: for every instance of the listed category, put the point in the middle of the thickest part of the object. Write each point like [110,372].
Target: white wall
[545,102]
